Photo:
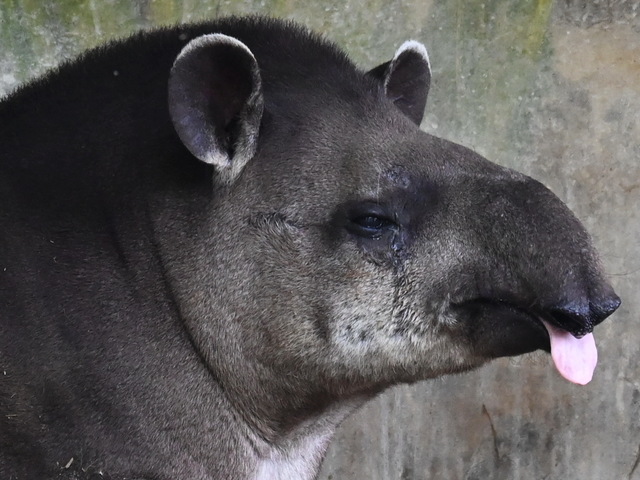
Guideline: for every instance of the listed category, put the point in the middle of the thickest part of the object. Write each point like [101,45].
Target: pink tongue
[575,358]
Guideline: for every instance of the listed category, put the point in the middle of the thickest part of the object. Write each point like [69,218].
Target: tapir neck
[299,453]
[299,459]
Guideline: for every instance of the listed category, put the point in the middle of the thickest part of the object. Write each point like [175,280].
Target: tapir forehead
[332,141]
[333,157]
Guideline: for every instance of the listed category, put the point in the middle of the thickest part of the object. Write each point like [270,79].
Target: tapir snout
[528,276]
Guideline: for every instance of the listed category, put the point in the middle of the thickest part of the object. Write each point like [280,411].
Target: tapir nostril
[602,308]
[576,321]
[580,320]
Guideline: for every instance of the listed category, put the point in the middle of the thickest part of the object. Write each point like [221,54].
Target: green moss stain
[538,27]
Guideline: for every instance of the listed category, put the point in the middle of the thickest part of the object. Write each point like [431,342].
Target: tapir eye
[370,222]
[370,225]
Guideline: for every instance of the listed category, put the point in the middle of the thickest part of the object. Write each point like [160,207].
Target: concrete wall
[551,89]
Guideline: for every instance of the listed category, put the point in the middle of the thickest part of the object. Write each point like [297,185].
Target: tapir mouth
[507,328]
[499,313]
[570,340]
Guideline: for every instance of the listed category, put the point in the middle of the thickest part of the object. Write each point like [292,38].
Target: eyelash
[370,225]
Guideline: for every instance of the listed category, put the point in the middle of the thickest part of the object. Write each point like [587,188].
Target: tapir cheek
[390,250]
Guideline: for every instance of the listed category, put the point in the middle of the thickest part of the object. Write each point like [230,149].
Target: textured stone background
[549,88]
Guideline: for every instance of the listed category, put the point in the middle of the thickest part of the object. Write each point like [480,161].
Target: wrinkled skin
[203,280]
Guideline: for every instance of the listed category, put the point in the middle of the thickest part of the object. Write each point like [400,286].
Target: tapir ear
[215,102]
[406,79]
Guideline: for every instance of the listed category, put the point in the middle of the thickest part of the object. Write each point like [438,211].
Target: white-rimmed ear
[215,102]
[406,79]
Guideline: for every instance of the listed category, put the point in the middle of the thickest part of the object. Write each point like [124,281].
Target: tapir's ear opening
[215,102]
[406,79]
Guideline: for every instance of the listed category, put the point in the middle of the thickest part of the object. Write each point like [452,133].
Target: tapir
[218,240]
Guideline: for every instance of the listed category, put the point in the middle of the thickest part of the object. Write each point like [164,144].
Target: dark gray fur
[212,304]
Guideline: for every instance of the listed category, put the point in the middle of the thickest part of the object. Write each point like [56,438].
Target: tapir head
[360,251]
